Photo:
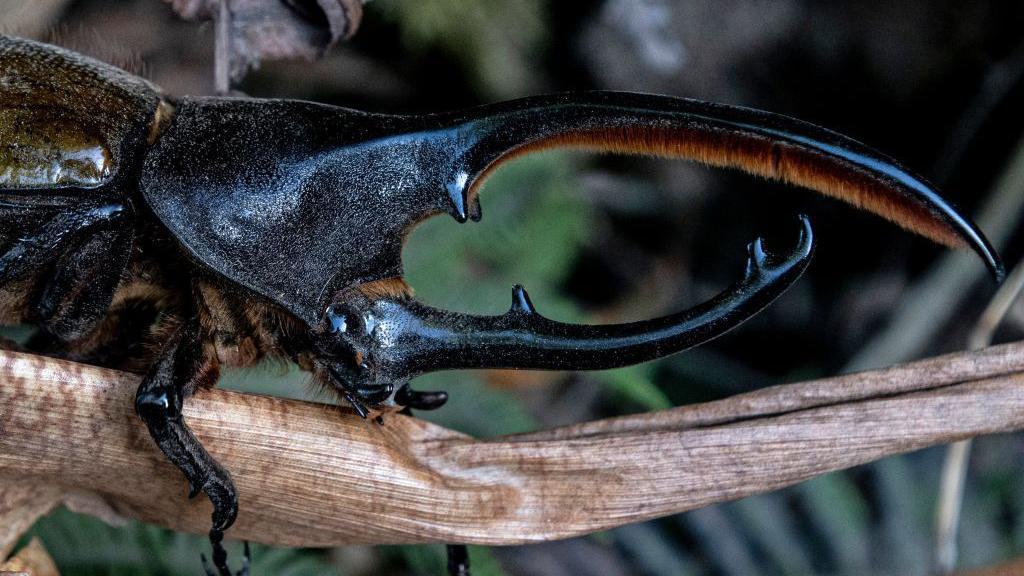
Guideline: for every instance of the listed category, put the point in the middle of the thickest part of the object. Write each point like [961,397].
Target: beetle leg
[186,362]
[458,560]
[81,288]
[410,398]
[50,240]
[123,338]
[243,571]
[458,554]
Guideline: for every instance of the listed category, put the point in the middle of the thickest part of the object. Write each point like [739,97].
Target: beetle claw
[357,405]
[246,560]
[410,398]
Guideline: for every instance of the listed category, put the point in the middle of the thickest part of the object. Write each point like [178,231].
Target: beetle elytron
[173,236]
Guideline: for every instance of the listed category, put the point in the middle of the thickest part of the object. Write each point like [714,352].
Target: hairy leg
[186,362]
[81,287]
[48,241]
[60,265]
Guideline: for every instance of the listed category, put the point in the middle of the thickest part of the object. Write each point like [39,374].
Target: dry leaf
[259,30]
[32,560]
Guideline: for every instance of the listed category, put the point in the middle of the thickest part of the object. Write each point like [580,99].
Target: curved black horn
[770,145]
[411,338]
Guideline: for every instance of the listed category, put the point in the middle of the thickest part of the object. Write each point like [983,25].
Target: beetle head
[346,342]
[364,344]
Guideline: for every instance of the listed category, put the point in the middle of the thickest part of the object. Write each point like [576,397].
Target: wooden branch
[312,475]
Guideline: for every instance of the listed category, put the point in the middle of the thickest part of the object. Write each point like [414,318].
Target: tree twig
[954,468]
[312,475]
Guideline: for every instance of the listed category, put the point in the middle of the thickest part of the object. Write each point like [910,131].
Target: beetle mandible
[289,218]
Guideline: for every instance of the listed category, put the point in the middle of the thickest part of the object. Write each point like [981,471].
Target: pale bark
[313,475]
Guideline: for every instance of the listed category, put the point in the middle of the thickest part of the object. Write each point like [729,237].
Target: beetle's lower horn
[424,339]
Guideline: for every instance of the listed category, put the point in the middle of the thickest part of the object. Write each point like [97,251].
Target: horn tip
[759,259]
[805,243]
[998,272]
[521,301]
[995,266]
[993,262]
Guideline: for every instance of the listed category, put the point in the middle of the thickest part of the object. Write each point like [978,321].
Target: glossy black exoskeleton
[224,230]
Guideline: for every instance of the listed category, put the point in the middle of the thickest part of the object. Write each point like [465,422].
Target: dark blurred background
[937,84]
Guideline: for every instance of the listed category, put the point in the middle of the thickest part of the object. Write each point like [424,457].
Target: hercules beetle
[288,218]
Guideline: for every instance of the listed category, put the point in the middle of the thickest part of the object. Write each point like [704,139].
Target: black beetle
[289,217]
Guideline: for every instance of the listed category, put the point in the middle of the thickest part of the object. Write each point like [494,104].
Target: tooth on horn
[521,303]
[457,197]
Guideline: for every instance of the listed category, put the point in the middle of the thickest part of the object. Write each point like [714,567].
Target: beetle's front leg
[188,361]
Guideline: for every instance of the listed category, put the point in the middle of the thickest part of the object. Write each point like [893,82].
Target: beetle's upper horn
[413,338]
[762,143]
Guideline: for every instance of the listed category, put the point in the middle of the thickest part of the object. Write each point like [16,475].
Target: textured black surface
[285,197]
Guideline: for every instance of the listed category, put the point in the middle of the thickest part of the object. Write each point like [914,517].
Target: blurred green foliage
[85,546]
[433,560]
[493,39]
[536,224]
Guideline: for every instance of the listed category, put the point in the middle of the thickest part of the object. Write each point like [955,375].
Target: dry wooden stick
[313,475]
[954,469]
